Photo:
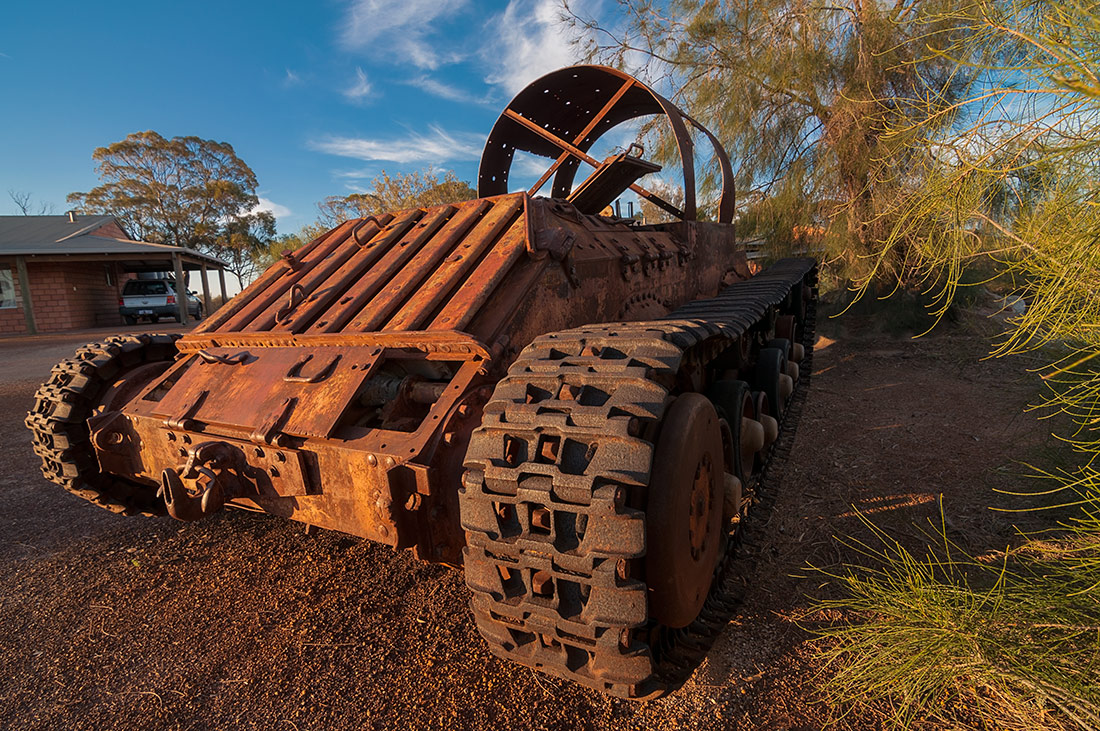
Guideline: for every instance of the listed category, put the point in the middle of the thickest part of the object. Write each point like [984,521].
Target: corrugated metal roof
[30,231]
[56,235]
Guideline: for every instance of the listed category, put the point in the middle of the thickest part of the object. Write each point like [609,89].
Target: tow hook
[218,472]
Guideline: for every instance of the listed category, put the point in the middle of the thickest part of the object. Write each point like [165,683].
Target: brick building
[66,272]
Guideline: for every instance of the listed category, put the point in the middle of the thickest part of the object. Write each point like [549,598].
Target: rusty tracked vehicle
[579,409]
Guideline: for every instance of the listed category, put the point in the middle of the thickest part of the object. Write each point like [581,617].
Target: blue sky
[317,97]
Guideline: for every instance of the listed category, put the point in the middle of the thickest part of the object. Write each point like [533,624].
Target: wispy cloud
[291,78]
[436,147]
[447,91]
[360,89]
[532,39]
[398,29]
[275,209]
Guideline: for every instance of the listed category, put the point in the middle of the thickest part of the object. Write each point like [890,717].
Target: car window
[142,287]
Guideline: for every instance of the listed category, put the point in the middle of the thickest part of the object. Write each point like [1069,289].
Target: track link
[553,499]
[58,421]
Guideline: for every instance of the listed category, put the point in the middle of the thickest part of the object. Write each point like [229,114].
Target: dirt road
[243,621]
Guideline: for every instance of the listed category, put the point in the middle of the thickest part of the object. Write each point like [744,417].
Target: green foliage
[1012,643]
[1012,180]
[184,191]
[1015,177]
[804,95]
[418,189]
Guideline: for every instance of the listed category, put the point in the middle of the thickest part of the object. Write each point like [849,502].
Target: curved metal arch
[561,115]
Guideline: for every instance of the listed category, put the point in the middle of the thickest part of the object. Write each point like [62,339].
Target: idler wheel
[684,511]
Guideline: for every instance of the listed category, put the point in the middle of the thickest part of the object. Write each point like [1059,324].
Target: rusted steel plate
[361,250]
[279,471]
[355,281]
[259,296]
[307,253]
[485,279]
[291,390]
[407,289]
[398,274]
[451,274]
[428,342]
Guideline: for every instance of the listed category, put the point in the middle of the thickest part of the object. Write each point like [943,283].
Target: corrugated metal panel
[419,269]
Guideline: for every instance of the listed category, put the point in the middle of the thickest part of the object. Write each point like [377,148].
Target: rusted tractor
[578,408]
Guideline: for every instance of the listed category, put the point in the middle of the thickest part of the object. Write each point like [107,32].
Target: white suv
[154,299]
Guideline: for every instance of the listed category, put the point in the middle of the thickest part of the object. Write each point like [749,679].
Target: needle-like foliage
[809,97]
[1013,180]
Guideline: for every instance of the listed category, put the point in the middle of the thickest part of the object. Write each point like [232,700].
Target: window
[145,287]
[7,289]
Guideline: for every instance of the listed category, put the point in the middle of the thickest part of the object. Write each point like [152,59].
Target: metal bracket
[213,488]
[236,358]
[294,375]
[266,432]
[183,421]
[297,296]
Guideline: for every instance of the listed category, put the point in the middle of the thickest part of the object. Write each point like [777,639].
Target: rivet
[372,460]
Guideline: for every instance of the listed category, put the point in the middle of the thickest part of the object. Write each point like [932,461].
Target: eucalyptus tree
[183,191]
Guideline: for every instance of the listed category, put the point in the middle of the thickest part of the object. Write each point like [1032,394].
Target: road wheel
[684,512]
[130,319]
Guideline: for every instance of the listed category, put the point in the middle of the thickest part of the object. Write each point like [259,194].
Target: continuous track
[63,404]
[554,496]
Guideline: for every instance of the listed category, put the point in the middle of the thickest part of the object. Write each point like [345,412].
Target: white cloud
[531,40]
[275,209]
[529,165]
[291,78]
[446,91]
[360,89]
[398,30]
[438,146]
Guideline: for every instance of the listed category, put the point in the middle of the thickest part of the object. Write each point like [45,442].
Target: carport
[70,270]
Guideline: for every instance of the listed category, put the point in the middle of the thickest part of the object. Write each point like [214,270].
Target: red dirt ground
[242,621]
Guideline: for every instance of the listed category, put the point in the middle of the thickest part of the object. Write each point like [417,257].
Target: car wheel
[198,314]
[130,319]
[154,319]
